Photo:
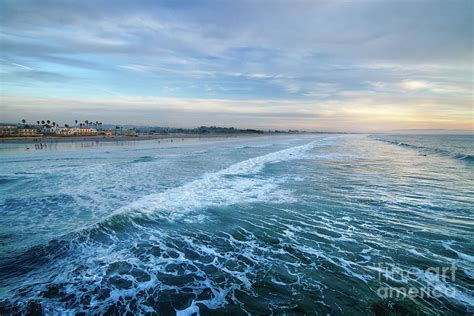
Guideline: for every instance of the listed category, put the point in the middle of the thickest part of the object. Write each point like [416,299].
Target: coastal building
[65,131]
[27,132]
[109,132]
[85,131]
[8,130]
[50,130]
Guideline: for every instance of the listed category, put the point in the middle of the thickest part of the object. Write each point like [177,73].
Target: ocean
[290,224]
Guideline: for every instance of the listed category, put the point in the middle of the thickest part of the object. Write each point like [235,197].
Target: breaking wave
[427,150]
[238,183]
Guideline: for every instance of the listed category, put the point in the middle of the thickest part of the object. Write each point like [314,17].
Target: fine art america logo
[417,283]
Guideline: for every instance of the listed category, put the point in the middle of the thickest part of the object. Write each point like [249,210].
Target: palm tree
[87,122]
[38,122]
[43,122]
[23,121]
[54,123]
[76,121]
[80,124]
[48,121]
[66,125]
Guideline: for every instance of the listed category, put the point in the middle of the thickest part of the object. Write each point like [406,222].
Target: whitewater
[241,225]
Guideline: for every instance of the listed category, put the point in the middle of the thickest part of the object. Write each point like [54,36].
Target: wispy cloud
[321,52]
[364,111]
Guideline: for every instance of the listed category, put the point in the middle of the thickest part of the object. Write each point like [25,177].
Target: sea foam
[228,186]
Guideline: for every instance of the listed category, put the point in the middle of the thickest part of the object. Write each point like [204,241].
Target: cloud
[362,112]
[318,51]
[434,87]
[415,85]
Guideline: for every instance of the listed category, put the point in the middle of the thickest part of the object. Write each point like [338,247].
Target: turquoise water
[273,224]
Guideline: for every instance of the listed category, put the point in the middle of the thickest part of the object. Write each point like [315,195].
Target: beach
[101,138]
[58,144]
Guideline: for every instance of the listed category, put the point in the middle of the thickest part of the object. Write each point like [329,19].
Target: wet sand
[58,139]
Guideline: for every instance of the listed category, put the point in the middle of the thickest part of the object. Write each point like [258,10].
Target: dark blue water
[303,224]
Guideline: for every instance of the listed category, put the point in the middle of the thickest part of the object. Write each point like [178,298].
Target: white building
[66,131]
[55,130]
[84,131]
[8,130]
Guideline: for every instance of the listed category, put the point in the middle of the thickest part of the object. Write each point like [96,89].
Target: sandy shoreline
[65,139]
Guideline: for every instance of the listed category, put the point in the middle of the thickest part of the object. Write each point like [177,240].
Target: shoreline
[71,139]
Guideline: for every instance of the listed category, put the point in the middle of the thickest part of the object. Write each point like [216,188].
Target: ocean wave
[8,179]
[430,150]
[255,146]
[469,158]
[144,159]
[149,276]
[236,184]
[229,186]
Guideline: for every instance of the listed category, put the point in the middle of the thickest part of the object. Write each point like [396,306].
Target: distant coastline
[139,137]
[101,138]
[47,131]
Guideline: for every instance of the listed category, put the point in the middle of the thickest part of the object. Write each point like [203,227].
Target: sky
[353,66]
